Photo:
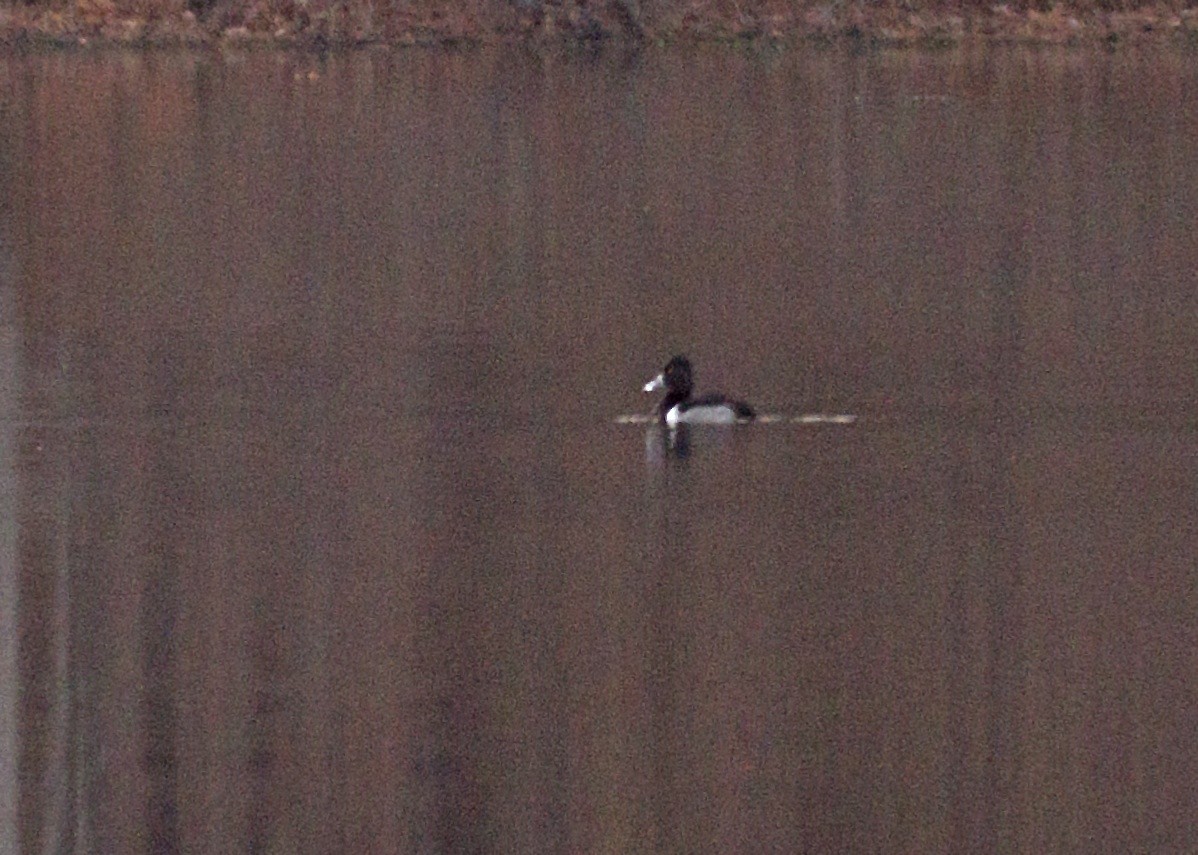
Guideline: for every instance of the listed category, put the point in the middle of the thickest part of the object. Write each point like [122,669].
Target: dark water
[318,531]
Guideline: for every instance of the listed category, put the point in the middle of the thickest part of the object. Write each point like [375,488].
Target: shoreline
[101,23]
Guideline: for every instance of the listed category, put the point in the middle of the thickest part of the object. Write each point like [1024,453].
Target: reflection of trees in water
[10,573]
[315,563]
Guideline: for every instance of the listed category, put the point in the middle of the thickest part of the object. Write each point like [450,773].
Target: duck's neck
[671,400]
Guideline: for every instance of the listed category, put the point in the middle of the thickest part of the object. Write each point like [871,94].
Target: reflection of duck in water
[677,407]
[664,443]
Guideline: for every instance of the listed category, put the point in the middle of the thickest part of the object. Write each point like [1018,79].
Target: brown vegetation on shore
[321,23]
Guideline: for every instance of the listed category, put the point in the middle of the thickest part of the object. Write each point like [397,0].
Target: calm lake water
[320,531]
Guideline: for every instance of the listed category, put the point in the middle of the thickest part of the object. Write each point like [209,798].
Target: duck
[678,407]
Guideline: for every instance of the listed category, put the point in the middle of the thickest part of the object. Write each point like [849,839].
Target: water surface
[320,530]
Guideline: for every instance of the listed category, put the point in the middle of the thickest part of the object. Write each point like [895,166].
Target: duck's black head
[675,378]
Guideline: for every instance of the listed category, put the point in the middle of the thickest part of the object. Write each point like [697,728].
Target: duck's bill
[656,383]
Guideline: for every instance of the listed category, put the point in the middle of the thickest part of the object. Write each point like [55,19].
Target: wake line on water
[767,419]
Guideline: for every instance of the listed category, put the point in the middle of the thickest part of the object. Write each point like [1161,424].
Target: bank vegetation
[337,23]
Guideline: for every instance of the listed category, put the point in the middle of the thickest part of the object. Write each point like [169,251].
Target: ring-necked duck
[677,407]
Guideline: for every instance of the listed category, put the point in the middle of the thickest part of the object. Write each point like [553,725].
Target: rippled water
[324,526]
